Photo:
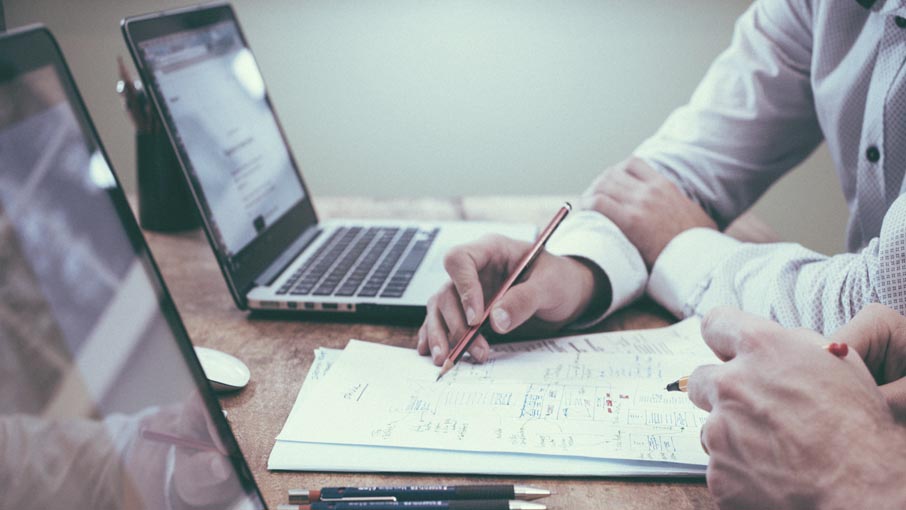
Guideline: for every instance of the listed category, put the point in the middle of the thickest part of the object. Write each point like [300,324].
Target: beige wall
[420,97]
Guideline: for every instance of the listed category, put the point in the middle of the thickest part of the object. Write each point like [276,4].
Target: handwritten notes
[590,397]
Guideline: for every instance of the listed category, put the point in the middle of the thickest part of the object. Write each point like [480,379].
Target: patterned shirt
[797,72]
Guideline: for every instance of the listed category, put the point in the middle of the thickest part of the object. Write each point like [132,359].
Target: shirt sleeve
[591,236]
[750,120]
[701,269]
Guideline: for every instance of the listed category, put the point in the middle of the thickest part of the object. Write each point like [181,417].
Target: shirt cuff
[592,236]
[680,274]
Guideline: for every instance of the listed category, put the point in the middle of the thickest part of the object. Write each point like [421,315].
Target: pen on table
[418,493]
[524,263]
[464,504]
[185,442]
[837,349]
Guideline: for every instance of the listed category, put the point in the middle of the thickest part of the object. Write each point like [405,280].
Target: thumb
[463,264]
[515,307]
[866,334]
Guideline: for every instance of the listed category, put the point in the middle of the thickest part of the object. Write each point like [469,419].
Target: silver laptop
[103,403]
[258,214]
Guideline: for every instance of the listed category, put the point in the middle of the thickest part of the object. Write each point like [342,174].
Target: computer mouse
[224,371]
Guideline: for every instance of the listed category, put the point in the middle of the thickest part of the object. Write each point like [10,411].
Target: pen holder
[164,201]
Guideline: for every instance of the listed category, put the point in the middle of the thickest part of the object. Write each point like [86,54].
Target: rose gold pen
[524,263]
[184,442]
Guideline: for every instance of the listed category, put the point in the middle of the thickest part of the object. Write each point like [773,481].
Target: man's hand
[648,207]
[556,292]
[791,425]
[200,479]
[878,334]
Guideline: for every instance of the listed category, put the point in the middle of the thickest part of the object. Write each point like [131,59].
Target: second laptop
[257,212]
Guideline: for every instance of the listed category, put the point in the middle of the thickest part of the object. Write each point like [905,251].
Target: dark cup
[164,201]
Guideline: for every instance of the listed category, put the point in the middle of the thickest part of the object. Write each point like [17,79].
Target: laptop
[103,403]
[256,209]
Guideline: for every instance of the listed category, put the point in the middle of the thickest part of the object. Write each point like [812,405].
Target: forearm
[750,120]
[784,282]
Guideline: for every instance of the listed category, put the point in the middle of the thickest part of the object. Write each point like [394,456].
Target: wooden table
[279,353]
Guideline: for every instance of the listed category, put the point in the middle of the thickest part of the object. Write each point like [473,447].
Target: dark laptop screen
[215,97]
[102,404]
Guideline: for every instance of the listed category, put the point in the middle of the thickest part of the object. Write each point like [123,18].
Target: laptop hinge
[286,258]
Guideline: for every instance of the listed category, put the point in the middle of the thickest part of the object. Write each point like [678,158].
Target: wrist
[595,291]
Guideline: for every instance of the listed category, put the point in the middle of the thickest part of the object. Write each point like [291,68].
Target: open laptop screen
[211,97]
[102,402]
[215,96]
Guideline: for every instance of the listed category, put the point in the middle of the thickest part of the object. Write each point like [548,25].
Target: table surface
[279,353]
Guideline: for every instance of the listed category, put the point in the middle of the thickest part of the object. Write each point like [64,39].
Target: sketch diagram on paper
[589,404]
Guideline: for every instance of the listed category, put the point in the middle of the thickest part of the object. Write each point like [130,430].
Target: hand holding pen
[521,268]
[555,290]
[839,350]
[786,416]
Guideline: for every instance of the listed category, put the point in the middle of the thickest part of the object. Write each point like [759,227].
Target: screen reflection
[98,407]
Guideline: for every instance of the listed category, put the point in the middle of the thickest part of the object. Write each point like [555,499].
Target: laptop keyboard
[364,262]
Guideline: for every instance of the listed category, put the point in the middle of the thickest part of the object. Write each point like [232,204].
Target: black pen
[464,504]
[417,493]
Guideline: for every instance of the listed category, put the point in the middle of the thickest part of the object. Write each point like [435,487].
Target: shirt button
[900,21]
[873,154]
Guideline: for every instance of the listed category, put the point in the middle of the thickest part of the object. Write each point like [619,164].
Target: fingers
[870,333]
[729,332]
[895,394]
[515,307]
[480,350]
[701,386]
[463,264]
[640,170]
[609,202]
[422,345]
[444,325]
[436,333]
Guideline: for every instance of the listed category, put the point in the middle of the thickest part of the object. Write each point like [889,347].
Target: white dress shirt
[797,72]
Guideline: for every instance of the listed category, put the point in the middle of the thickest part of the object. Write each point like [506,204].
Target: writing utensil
[524,263]
[465,504]
[418,493]
[679,384]
[184,442]
[837,349]
[133,97]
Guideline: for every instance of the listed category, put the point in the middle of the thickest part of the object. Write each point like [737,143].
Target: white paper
[602,403]
[295,456]
[682,338]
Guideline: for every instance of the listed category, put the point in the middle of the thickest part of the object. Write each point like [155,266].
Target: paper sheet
[305,456]
[607,402]
[681,339]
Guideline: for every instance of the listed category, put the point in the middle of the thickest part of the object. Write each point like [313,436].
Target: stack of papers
[582,405]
